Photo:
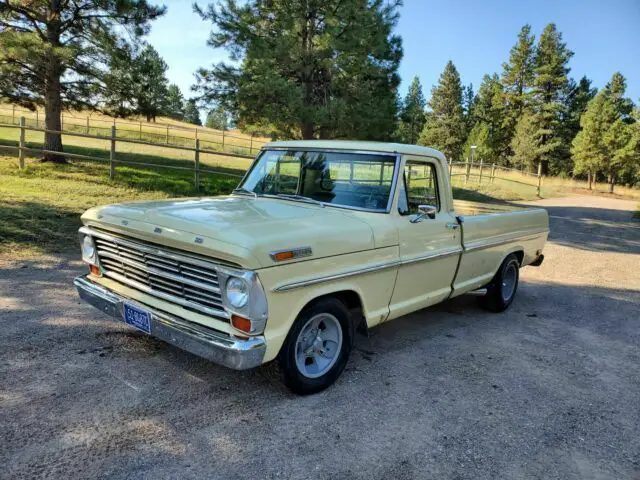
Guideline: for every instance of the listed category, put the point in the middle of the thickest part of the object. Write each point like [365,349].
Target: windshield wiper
[245,191]
[291,196]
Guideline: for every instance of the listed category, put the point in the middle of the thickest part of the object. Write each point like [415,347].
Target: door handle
[453,226]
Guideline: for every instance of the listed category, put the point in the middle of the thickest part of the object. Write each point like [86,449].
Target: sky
[475,35]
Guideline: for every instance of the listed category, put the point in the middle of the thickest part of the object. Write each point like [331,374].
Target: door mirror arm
[425,211]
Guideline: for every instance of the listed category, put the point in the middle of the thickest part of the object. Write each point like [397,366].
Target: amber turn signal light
[241,323]
[280,256]
[94,270]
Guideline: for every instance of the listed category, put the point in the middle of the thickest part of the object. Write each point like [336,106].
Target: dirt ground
[548,389]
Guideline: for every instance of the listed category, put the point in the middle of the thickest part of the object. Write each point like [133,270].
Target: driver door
[429,247]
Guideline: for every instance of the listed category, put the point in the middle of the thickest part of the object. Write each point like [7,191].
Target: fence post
[87,125]
[140,131]
[62,121]
[167,142]
[450,169]
[21,145]
[223,139]
[37,121]
[481,165]
[468,171]
[197,165]
[112,153]
[251,144]
[539,178]
[493,172]
[13,114]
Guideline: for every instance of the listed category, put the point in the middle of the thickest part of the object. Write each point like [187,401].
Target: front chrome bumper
[202,341]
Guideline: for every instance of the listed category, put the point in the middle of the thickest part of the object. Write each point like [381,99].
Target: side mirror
[425,211]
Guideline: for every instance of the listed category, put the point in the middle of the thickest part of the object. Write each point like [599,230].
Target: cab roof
[398,148]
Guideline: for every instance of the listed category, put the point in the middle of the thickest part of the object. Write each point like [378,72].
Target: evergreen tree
[445,128]
[468,104]
[549,91]
[174,104]
[480,137]
[524,143]
[488,113]
[119,84]
[217,118]
[579,96]
[191,113]
[412,117]
[151,84]
[517,78]
[54,53]
[306,68]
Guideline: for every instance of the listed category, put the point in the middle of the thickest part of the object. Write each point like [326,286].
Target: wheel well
[520,256]
[352,301]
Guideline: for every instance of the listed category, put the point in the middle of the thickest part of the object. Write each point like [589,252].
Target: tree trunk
[307,131]
[590,180]
[611,179]
[52,98]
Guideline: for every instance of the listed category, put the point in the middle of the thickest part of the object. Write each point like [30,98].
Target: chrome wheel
[509,279]
[318,345]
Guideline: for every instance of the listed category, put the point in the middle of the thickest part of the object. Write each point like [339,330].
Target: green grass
[40,207]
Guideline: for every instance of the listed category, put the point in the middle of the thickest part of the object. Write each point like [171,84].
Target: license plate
[137,318]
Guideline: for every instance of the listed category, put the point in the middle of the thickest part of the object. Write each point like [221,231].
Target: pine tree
[54,53]
[174,105]
[315,68]
[217,118]
[468,103]
[151,83]
[119,85]
[576,103]
[517,78]
[191,113]
[445,128]
[524,143]
[549,90]
[488,114]
[412,117]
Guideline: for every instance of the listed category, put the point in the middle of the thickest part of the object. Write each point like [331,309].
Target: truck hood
[241,230]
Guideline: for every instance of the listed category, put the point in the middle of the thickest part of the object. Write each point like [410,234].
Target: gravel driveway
[548,389]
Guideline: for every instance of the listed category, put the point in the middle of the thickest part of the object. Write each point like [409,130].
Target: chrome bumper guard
[202,341]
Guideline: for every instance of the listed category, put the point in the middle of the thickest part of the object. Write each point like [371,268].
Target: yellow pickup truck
[320,239]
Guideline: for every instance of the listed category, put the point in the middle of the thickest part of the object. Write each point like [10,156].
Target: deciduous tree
[52,52]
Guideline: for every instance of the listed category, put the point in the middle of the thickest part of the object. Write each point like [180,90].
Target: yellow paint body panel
[394,266]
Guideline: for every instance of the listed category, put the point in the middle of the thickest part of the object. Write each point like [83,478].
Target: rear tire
[317,347]
[502,289]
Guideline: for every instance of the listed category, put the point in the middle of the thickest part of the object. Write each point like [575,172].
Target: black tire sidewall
[293,378]
[511,259]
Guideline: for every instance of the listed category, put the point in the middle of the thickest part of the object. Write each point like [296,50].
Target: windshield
[355,180]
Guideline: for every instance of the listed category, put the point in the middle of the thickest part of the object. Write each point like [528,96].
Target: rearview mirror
[425,211]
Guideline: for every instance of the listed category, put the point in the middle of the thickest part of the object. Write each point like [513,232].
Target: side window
[420,187]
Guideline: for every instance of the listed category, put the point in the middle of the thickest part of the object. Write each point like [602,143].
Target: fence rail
[197,168]
[157,133]
[490,175]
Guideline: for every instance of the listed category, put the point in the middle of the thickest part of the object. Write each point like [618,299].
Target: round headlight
[88,248]
[237,292]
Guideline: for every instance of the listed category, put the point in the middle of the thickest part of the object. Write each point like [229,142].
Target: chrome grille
[189,282]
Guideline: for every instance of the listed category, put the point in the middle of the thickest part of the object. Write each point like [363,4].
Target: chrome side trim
[432,256]
[336,276]
[361,271]
[202,341]
[482,244]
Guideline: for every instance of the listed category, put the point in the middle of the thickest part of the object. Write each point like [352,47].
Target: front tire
[502,289]
[317,347]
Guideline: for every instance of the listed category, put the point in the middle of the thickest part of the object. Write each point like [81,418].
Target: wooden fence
[197,168]
[482,170]
[158,133]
